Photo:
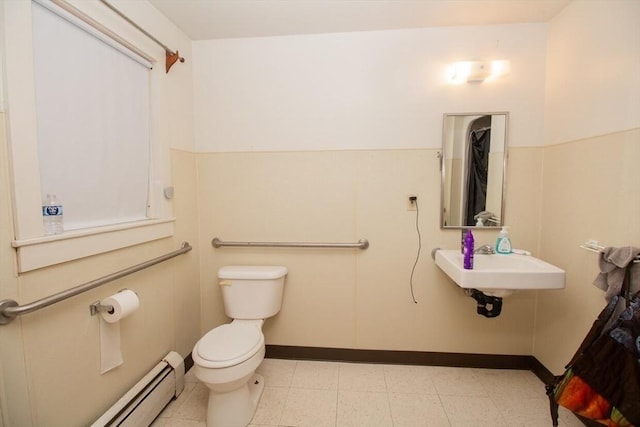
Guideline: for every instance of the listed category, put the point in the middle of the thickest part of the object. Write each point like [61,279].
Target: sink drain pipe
[488,306]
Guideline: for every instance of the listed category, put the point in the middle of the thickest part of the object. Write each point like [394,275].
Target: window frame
[33,249]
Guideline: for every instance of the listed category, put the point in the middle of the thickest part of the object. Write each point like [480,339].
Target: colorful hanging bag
[602,380]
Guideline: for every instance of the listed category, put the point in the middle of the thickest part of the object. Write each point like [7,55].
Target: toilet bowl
[225,358]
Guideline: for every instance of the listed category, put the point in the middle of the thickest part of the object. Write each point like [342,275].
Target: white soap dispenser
[503,244]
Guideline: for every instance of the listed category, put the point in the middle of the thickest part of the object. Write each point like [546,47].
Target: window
[92,113]
[81,125]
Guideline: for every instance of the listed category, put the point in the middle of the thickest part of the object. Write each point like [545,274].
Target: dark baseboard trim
[397,357]
[541,371]
[428,358]
[188,363]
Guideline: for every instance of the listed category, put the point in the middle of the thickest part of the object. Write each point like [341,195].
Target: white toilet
[225,359]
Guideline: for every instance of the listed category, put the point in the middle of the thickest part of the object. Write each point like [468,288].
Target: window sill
[50,250]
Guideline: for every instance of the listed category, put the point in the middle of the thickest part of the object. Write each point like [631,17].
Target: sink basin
[500,275]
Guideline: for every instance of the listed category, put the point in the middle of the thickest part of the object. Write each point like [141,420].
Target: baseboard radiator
[142,404]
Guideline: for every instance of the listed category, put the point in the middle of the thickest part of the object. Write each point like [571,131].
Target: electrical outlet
[411,202]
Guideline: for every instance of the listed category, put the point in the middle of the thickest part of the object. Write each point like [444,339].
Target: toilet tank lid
[252,272]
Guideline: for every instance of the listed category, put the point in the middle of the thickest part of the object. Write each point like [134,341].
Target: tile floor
[317,394]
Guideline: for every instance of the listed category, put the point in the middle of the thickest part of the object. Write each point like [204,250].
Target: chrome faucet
[485,250]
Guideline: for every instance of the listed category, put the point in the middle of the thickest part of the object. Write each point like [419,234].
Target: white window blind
[92,112]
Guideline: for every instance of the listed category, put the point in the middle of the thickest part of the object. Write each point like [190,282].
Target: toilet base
[235,408]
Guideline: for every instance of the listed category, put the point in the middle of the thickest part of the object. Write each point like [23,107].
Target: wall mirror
[473,165]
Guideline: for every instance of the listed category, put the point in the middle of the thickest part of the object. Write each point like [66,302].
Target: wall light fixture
[476,71]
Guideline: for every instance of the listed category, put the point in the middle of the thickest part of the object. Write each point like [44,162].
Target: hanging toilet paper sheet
[124,303]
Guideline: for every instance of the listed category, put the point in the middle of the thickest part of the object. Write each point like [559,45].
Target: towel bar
[593,246]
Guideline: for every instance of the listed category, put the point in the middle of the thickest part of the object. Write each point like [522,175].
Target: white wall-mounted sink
[500,275]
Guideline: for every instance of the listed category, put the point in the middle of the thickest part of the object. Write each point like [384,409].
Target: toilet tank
[252,291]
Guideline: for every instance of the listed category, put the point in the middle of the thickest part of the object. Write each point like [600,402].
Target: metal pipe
[360,244]
[98,27]
[9,309]
[171,57]
[593,246]
[138,27]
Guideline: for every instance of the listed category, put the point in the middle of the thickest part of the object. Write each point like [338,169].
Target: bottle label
[53,210]
[504,246]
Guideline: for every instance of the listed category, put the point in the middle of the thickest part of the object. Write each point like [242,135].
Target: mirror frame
[446,138]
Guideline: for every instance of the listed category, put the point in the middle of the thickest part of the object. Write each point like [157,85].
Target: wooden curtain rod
[170,56]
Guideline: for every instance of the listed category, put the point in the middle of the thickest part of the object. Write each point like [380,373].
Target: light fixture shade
[477,71]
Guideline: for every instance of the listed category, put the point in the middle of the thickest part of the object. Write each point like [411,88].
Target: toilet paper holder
[96,308]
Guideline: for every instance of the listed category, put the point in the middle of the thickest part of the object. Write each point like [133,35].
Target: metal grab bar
[360,244]
[9,309]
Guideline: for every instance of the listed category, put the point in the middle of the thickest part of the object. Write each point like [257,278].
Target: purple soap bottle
[468,251]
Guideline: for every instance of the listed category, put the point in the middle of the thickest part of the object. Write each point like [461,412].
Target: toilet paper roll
[124,303]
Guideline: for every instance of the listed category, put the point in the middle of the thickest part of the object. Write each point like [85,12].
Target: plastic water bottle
[52,216]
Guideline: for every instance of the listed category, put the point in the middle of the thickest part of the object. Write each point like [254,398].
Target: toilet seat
[229,345]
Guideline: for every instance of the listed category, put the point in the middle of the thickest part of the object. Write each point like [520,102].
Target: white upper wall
[593,69]
[175,100]
[361,90]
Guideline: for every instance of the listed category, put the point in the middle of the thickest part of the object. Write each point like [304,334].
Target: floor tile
[456,382]
[509,383]
[525,412]
[409,379]
[360,409]
[568,419]
[179,422]
[271,405]
[361,377]
[316,375]
[277,372]
[417,410]
[190,376]
[195,407]
[465,411]
[309,407]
